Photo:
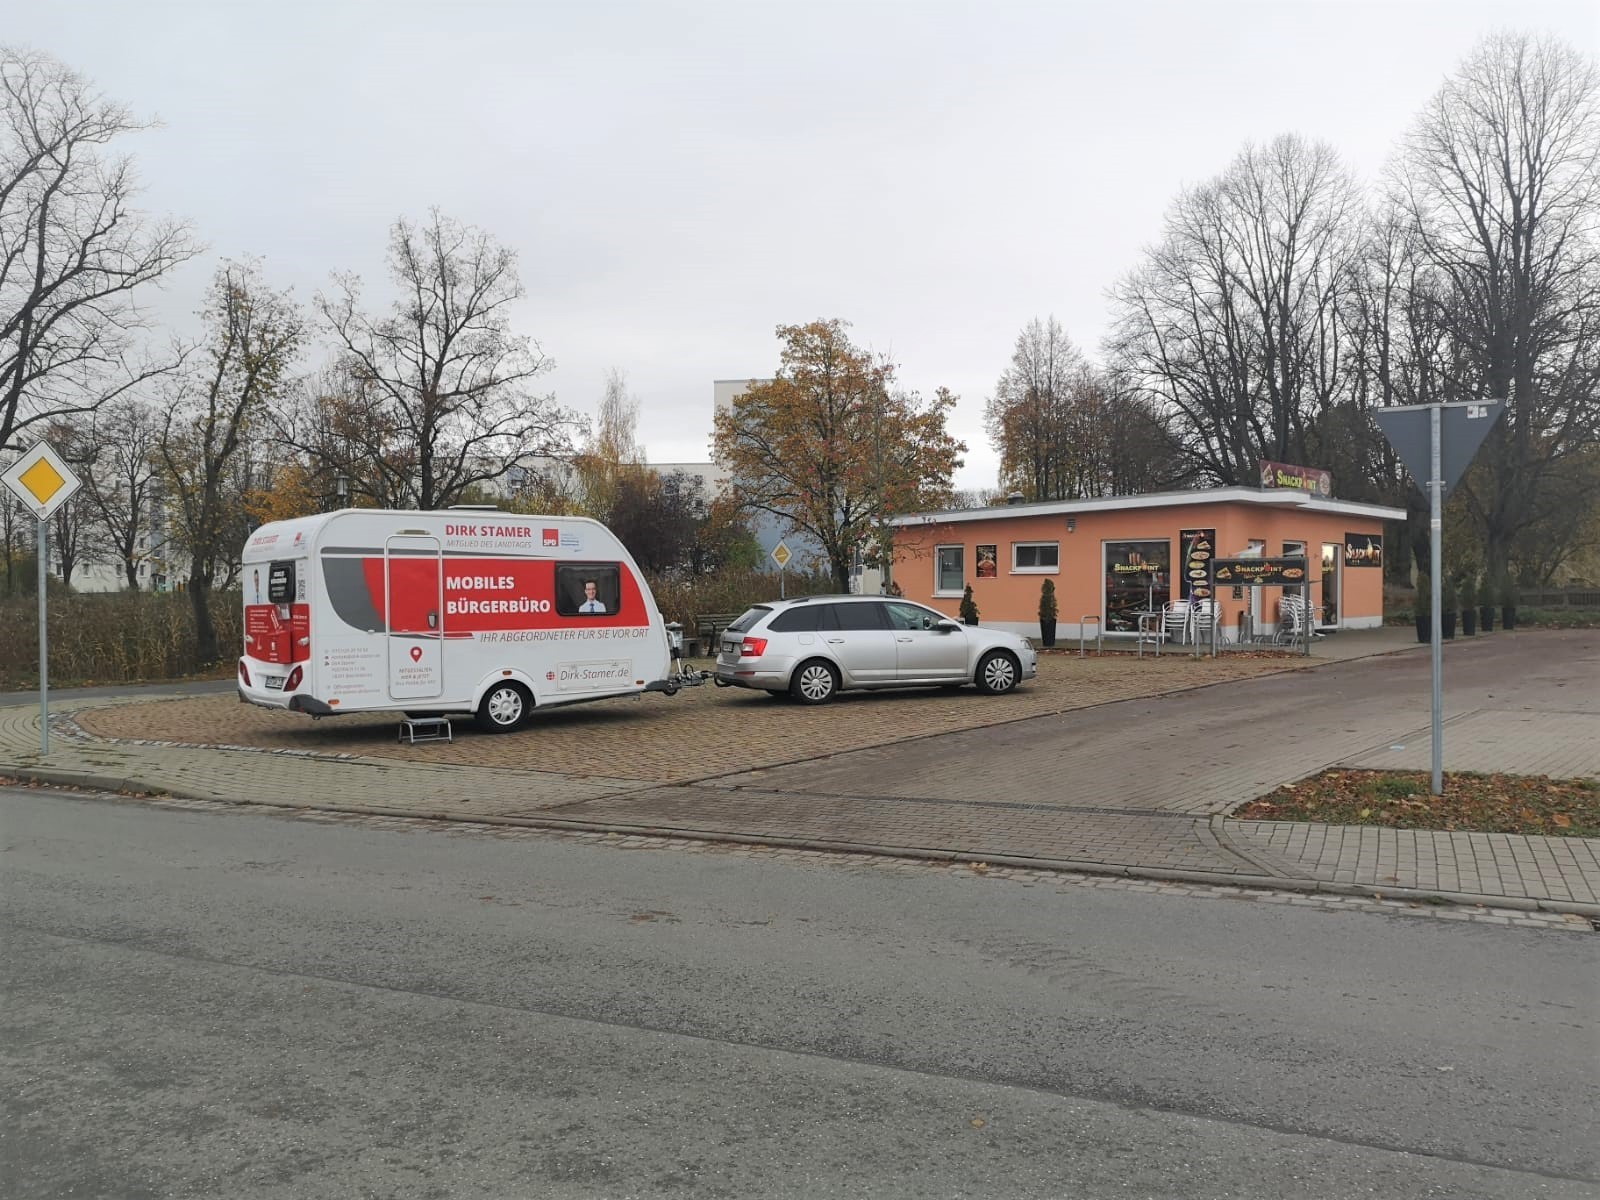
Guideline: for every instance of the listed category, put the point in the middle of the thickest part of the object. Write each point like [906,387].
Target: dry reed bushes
[111,637]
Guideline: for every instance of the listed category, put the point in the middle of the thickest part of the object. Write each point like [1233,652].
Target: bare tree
[252,337]
[1027,419]
[1501,181]
[120,482]
[1233,324]
[441,400]
[73,251]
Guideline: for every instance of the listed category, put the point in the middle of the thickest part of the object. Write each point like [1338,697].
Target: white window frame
[1016,570]
[962,549]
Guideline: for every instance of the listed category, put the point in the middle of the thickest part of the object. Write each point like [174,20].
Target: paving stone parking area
[1116,768]
[701,732]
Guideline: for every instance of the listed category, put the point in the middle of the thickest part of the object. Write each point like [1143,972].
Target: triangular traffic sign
[1462,428]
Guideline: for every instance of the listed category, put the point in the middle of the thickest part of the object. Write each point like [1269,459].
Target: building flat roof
[1271,497]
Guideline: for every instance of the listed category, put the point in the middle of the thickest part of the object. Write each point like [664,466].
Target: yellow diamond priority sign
[781,555]
[41,479]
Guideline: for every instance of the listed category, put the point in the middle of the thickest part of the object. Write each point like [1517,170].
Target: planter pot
[1469,621]
[1486,618]
[1047,632]
[1508,618]
[1424,627]
[1447,625]
[971,620]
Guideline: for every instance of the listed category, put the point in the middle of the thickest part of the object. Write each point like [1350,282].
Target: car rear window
[748,618]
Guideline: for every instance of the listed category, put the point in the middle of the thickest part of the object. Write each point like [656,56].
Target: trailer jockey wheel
[504,707]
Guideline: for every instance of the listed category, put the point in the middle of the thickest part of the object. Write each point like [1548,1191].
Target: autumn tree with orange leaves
[833,447]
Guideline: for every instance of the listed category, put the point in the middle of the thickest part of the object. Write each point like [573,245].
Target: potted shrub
[1424,613]
[1047,612]
[1448,600]
[1469,604]
[1508,603]
[969,607]
[1486,605]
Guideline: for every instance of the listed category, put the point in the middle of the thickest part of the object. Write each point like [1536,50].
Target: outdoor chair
[1295,621]
[1175,620]
[1202,619]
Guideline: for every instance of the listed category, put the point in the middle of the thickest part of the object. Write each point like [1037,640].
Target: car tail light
[753,647]
[295,676]
[244,673]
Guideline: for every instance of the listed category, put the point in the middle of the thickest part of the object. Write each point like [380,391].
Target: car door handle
[835,641]
[903,639]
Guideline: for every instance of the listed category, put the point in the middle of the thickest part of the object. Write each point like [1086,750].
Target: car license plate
[272,682]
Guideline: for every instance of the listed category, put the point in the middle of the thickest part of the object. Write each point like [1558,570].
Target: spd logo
[552,537]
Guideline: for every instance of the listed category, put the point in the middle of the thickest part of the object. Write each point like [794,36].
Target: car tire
[503,708]
[998,672]
[814,682]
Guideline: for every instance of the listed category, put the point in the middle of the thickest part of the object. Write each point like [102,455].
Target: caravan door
[413,606]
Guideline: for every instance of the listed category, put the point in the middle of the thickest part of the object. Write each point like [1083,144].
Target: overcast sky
[681,178]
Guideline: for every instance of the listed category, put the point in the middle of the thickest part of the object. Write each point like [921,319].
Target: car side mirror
[947,627]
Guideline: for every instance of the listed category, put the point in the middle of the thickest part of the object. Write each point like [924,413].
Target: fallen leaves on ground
[1471,803]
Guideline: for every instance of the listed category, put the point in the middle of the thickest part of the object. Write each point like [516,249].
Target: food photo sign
[1197,545]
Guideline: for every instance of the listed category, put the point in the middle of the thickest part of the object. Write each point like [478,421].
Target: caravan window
[588,589]
[280,583]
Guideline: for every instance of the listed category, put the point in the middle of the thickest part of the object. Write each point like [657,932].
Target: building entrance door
[1332,577]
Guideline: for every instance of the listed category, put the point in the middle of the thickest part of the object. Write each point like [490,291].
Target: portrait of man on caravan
[587,590]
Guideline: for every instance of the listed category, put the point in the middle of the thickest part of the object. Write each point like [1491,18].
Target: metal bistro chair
[1175,620]
[1202,620]
[1294,621]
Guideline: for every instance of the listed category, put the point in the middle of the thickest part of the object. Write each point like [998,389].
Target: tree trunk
[205,630]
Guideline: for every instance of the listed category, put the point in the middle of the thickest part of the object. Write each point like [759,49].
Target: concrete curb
[103,783]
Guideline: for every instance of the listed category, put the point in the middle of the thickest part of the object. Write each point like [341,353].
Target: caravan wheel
[504,707]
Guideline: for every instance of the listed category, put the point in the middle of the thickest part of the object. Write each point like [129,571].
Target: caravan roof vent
[474,508]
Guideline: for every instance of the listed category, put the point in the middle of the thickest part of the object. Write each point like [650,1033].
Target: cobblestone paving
[1060,882]
[1563,745]
[699,732]
[1016,830]
[1482,864]
[1036,776]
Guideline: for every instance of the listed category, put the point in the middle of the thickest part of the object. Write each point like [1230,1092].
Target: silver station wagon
[815,646]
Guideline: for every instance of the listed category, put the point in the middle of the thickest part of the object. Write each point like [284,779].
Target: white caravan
[461,611]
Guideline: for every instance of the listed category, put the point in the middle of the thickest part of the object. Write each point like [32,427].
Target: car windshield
[749,617]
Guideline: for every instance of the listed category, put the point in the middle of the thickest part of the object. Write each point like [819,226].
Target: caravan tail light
[753,647]
[295,676]
[244,673]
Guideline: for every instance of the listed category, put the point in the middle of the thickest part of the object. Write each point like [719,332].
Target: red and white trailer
[461,611]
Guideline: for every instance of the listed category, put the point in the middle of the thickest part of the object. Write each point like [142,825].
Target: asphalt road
[240,1004]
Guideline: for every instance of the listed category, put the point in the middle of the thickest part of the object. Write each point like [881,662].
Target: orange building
[1114,558]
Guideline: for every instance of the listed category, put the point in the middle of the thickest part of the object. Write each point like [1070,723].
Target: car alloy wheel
[503,709]
[997,672]
[814,683]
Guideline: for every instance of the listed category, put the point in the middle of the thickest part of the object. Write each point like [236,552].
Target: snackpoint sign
[42,480]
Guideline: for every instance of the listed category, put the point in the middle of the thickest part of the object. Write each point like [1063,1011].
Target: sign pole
[44,641]
[1435,553]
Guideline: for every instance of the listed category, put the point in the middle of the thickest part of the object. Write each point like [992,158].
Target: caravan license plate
[272,682]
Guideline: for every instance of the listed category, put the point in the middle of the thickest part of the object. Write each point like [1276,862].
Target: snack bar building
[1117,557]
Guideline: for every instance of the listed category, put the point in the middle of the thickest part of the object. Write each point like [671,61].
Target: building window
[950,575]
[1138,580]
[1036,558]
